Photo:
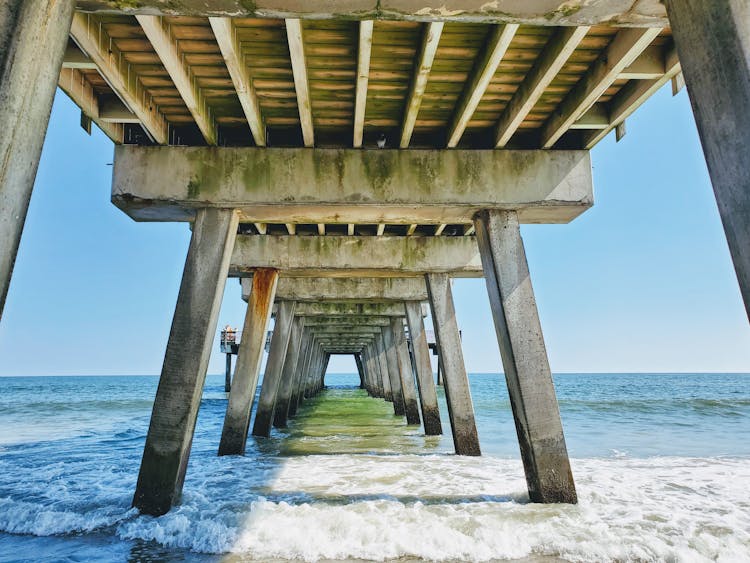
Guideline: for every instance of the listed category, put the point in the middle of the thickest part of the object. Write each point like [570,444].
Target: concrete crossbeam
[375,290]
[350,185]
[531,12]
[322,256]
[345,322]
[347,310]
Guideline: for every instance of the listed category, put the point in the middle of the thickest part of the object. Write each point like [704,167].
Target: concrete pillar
[314,358]
[170,434]
[228,374]
[240,405]
[425,381]
[360,370]
[32,44]
[393,371]
[527,372]
[373,373]
[298,375]
[455,379]
[282,331]
[713,42]
[411,406]
[288,377]
[322,378]
[382,364]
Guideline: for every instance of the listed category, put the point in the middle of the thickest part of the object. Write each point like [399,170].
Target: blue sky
[642,282]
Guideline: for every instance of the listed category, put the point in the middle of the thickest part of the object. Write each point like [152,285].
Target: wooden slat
[301,86]
[262,228]
[161,39]
[350,229]
[421,73]
[624,48]
[321,229]
[633,95]
[440,229]
[74,84]
[363,77]
[484,70]
[93,40]
[291,228]
[552,59]
[226,36]
[411,230]
[381,229]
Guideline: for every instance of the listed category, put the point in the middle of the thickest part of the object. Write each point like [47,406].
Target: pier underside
[346,160]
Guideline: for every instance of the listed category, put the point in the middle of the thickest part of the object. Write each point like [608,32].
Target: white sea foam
[470,509]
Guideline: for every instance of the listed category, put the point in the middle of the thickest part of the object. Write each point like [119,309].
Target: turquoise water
[662,465]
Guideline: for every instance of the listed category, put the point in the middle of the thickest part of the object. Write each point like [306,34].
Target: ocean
[661,463]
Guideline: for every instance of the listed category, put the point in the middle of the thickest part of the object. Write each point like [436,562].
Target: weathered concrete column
[425,381]
[382,364]
[242,395]
[455,379]
[360,370]
[228,374]
[373,370]
[713,42]
[393,371]
[288,377]
[411,406]
[274,368]
[527,371]
[33,37]
[299,374]
[170,434]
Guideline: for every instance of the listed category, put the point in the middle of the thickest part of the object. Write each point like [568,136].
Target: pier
[345,161]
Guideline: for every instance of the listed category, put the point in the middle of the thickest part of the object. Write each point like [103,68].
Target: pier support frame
[242,395]
[455,379]
[382,364]
[394,372]
[288,377]
[411,405]
[170,433]
[713,42]
[360,370]
[32,45]
[269,391]
[425,381]
[527,371]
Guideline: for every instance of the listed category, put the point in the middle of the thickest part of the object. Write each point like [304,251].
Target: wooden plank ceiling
[275,82]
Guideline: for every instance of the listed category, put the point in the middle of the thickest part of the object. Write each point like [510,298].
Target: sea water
[661,463]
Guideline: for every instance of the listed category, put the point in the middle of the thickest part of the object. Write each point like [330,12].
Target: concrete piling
[242,395]
[170,433]
[411,405]
[382,364]
[527,371]
[288,377]
[393,371]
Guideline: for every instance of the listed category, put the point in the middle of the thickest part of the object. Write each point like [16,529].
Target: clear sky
[642,282]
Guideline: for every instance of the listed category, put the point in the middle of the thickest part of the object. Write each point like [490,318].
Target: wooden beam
[412,228]
[350,229]
[321,229]
[75,85]
[112,110]
[469,230]
[226,36]
[422,68]
[363,77]
[555,54]
[75,58]
[262,228]
[160,36]
[291,228]
[649,65]
[484,70]
[440,229]
[92,38]
[624,48]
[381,229]
[597,117]
[633,95]
[301,86]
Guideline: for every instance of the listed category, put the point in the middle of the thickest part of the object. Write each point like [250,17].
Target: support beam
[89,34]
[74,58]
[382,363]
[455,379]
[159,34]
[363,78]
[351,186]
[348,310]
[393,371]
[288,377]
[713,39]
[484,69]
[35,35]
[228,374]
[274,368]
[356,256]
[425,381]
[301,86]
[170,434]
[360,369]
[624,48]
[304,350]
[422,67]
[370,290]
[527,371]
[239,407]
[411,406]
[75,85]
[558,50]
[226,36]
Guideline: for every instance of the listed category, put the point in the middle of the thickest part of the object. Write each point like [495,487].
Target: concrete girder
[345,310]
[375,290]
[530,12]
[344,322]
[356,256]
[351,185]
